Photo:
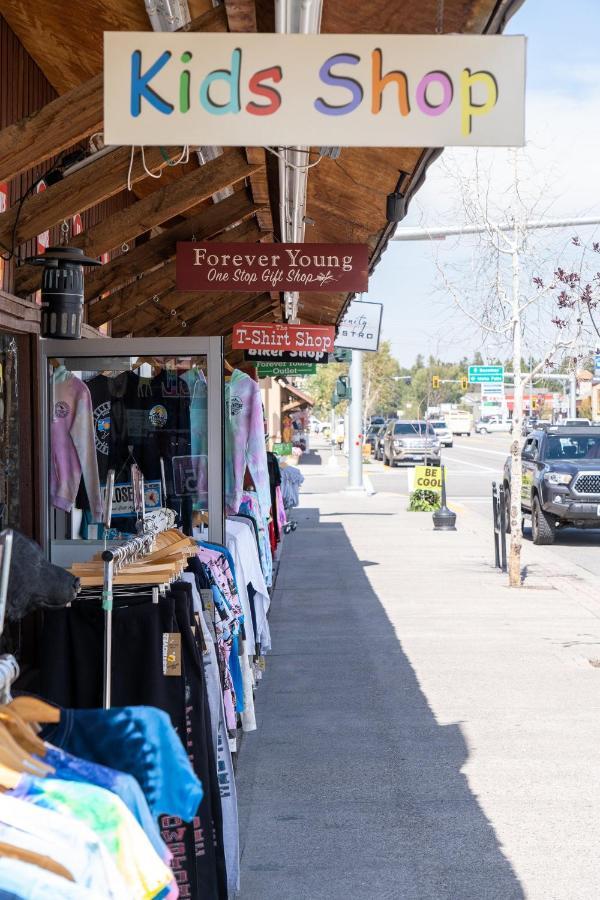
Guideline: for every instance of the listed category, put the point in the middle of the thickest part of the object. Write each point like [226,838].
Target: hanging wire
[439,22]
[64,232]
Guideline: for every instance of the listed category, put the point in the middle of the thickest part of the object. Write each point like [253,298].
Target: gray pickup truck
[561,479]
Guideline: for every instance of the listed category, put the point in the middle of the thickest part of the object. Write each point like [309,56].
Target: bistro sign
[348,90]
[272,267]
[361,326]
[259,336]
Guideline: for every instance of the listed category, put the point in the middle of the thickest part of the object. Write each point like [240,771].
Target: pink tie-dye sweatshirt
[245,443]
[73,448]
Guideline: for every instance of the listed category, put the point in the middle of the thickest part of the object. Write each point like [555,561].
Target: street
[472,464]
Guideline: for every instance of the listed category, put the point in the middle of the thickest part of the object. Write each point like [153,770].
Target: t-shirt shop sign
[361,326]
[272,267]
[259,336]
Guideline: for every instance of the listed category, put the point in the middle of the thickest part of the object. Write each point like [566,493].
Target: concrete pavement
[424,731]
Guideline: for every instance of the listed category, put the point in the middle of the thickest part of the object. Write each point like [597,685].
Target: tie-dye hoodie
[245,443]
[73,447]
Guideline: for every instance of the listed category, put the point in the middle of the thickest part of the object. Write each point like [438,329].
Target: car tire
[542,525]
[483,431]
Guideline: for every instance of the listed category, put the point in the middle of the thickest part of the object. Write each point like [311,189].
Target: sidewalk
[425,732]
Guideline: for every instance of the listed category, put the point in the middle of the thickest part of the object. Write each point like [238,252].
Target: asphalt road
[472,464]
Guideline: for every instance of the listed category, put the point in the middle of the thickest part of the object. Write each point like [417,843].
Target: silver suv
[410,441]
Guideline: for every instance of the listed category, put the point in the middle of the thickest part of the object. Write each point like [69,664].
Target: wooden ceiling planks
[101,179]
[208,315]
[210,221]
[52,129]
[346,197]
[157,282]
[68,50]
[153,209]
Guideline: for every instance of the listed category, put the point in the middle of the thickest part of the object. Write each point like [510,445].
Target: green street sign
[272,370]
[282,449]
[486,374]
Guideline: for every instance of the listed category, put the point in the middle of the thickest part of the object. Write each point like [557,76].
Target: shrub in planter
[423,500]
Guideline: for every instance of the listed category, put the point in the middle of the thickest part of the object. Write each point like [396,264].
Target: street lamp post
[355,472]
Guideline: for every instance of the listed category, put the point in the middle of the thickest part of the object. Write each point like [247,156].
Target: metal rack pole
[107,606]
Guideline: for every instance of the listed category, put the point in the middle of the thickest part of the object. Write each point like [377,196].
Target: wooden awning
[232,197]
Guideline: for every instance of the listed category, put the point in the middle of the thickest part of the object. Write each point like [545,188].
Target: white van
[459,422]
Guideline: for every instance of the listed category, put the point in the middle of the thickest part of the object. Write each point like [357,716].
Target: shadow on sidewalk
[350,789]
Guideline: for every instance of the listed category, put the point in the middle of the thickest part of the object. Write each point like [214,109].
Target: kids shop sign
[272,267]
[339,90]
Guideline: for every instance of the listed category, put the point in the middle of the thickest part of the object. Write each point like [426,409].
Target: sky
[561,171]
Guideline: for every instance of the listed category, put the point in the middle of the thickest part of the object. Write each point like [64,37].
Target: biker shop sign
[202,266]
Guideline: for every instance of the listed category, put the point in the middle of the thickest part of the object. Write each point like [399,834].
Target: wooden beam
[96,182]
[222,324]
[206,223]
[146,318]
[168,201]
[143,314]
[227,341]
[71,117]
[162,280]
[52,129]
[187,305]
[210,317]
[241,15]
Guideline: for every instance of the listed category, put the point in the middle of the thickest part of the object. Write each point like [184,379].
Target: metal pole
[355,474]
[573,396]
[107,605]
[439,234]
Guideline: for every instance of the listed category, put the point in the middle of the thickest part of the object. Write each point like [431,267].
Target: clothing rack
[113,561]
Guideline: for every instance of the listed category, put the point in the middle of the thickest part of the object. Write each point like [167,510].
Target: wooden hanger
[32,709]
[15,757]
[22,732]
[151,360]
[36,859]
[9,777]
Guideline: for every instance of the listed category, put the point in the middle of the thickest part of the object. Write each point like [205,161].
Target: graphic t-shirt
[139,740]
[141,868]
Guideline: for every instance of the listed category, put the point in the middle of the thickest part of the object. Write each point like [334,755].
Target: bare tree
[518,296]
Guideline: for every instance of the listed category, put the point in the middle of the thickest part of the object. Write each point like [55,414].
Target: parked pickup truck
[561,480]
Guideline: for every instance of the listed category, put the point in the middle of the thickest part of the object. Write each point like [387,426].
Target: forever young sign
[272,267]
[256,336]
[329,89]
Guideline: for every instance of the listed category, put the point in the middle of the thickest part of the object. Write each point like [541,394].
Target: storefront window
[116,413]
[10,457]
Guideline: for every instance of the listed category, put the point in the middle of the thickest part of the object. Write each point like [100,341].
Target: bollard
[444,519]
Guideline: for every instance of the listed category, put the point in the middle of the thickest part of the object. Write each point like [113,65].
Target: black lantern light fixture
[62,290]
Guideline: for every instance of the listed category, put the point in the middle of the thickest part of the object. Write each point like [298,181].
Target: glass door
[148,406]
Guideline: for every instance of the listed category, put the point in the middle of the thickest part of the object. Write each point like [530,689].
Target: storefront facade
[135,454]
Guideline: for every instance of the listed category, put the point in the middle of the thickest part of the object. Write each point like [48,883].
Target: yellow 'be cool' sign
[428,478]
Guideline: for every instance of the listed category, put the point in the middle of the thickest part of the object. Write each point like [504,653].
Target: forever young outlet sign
[339,90]
[256,336]
[272,267]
